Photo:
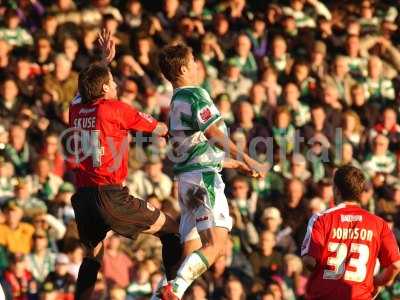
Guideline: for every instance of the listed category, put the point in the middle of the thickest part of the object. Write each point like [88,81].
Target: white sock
[161,283]
[192,267]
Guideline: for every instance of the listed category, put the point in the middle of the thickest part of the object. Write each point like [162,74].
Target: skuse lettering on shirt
[351,218]
[85,123]
[352,234]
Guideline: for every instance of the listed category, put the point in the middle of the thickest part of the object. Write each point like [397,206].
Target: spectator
[6,183]
[221,28]
[20,280]
[29,204]
[13,33]
[211,54]
[269,79]
[272,220]
[140,287]
[246,124]
[294,208]
[44,183]
[60,280]
[235,84]
[61,206]
[354,133]
[117,293]
[245,57]
[300,112]
[302,19]
[40,262]
[234,290]
[293,268]
[368,113]
[75,254]
[5,49]
[377,87]
[283,131]
[151,181]
[318,124]
[341,78]
[134,14]
[44,54]
[381,160]
[347,156]
[55,228]
[266,261]
[26,79]
[356,63]
[389,127]
[279,58]
[319,67]
[258,36]
[62,82]
[117,266]
[15,235]
[10,103]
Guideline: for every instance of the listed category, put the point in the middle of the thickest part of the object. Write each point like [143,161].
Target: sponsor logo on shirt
[202,219]
[205,114]
[87,110]
[351,218]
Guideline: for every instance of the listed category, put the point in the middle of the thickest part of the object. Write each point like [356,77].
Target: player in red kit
[99,127]
[342,245]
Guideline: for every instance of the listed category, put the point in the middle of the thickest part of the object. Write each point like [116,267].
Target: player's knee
[217,244]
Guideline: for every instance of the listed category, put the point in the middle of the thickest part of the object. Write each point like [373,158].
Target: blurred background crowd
[326,70]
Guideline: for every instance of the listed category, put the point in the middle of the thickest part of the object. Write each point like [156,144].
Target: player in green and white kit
[200,146]
[199,162]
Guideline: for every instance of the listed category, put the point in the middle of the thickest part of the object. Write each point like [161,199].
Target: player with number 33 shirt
[343,245]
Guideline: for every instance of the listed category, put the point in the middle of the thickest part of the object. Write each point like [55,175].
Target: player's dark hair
[171,59]
[91,80]
[350,183]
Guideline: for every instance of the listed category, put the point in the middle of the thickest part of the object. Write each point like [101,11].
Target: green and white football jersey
[192,112]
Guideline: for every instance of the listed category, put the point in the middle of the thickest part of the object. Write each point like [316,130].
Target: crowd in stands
[317,81]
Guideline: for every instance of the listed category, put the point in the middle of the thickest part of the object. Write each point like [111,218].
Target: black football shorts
[100,209]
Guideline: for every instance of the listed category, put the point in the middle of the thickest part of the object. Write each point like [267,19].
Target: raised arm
[107,46]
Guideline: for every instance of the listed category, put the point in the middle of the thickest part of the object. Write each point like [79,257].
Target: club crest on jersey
[205,114]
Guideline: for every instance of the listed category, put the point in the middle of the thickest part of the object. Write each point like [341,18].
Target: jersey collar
[182,87]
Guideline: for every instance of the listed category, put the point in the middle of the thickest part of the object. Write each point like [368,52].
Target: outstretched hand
[259,170]
[107,45]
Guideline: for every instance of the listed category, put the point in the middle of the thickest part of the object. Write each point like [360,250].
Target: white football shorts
[203,203]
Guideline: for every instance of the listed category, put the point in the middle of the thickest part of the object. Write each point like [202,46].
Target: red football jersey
[346,242]
[98,139]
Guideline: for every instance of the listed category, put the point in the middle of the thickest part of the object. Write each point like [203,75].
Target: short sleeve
[388,251]
[205,112]
[314,240]
[131,119]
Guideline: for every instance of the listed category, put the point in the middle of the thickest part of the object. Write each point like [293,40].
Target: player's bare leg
[88,270]
[191,246]
[167,230]
[213,246]
[164,224]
